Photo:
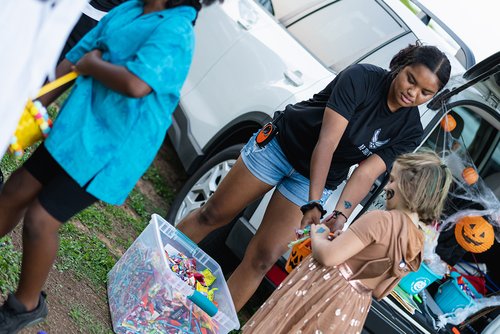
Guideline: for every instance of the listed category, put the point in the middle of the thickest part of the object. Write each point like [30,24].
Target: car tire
[203,183]
[194,194]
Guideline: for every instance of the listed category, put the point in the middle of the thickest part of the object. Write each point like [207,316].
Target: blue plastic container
[416,281]
[450,297]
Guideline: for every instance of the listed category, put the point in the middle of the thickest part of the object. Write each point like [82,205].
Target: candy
[155,308]
[209,277]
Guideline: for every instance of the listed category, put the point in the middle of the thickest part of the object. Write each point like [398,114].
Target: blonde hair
[423,182]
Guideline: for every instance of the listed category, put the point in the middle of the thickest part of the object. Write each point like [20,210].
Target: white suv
[253,58]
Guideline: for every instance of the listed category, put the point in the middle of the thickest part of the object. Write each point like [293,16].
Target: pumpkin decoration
[470,175]
[448,123]
[474,234]
[297,254]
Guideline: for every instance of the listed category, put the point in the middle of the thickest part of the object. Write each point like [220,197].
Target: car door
[216,31]
[261,69]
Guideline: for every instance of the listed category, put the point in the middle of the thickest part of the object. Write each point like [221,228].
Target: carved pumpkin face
[297,254]
[474,234]
[470,175]
[448,123]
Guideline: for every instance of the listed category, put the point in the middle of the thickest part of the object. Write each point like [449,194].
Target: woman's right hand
[311,217]
[85,64]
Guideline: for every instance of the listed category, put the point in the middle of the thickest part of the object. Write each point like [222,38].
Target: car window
[382,57]
[471,126]
[345,31]
[267,4]
[478,138]
[492,165]
[466,133]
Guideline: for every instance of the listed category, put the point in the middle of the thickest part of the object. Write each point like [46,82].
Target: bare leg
[238,189]
[18,192]
[277,229]
[40,244]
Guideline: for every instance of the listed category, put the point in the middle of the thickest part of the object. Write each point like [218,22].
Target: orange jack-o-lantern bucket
[298,253]
[474,234]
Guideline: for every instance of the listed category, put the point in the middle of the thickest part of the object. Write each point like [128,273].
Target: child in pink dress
[332,289]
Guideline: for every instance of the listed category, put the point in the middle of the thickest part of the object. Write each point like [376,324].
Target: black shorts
[61,196]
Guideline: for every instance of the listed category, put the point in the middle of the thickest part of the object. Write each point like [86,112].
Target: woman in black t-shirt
[365,116]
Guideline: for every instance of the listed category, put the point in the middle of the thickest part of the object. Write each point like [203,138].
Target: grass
[10,265]
[153,175]
[86,255]
[95,219]
[144,207]
[137,201]
[9,163]
[85,322]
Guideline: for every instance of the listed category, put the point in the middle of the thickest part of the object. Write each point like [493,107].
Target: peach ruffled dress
[316,299]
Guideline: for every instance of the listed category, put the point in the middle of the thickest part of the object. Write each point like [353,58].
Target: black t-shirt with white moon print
[359,94]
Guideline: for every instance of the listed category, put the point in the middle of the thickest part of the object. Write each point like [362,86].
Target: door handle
[244,24]
[294,77]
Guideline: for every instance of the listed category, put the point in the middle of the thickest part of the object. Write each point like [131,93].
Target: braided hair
[429,56]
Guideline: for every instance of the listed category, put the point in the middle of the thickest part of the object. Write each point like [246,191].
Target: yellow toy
[35,123]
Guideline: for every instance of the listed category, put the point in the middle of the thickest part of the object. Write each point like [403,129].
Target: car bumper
[190,154]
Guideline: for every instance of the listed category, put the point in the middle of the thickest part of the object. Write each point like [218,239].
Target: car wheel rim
[203,189]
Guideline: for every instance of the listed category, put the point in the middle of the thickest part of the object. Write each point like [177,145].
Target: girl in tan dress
[332,289]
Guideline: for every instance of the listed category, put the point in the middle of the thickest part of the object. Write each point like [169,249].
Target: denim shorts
[270,165]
